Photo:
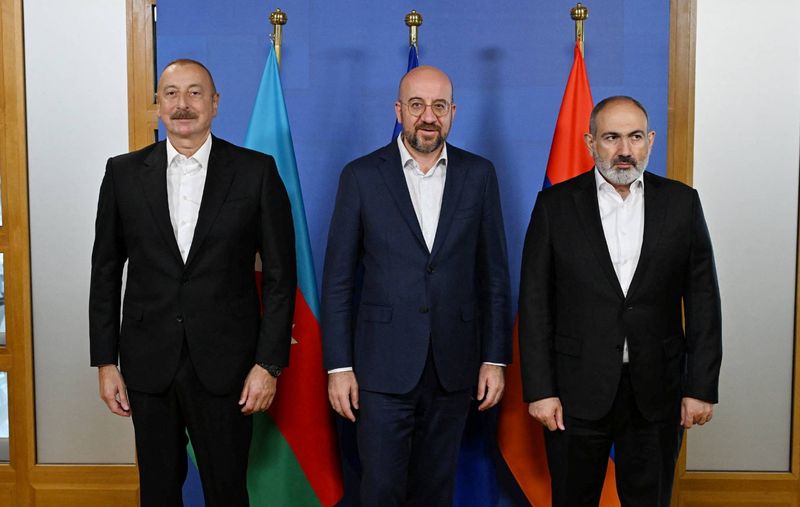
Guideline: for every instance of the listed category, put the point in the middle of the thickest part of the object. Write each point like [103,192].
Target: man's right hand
[343,393]
[548,411]
[113,391]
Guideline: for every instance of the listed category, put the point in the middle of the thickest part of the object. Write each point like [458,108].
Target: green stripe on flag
[274,476]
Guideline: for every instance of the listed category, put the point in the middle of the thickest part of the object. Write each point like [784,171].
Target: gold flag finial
[579,14]
[278,19]
[413,21]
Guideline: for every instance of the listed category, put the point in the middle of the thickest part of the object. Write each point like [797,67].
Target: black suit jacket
[574,317]
[211,300]
[456,297]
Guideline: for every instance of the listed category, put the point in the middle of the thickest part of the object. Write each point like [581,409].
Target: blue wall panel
[342,60]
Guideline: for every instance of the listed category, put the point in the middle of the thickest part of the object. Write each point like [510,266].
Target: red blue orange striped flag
[520,438]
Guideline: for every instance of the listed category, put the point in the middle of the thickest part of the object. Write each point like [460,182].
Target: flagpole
[413,22]
[278,19]
[579,14]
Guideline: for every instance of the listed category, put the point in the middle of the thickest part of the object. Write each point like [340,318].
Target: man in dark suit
[611,257]
[189,215]
[422,219]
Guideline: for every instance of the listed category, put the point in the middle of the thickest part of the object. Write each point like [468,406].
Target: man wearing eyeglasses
[417,232]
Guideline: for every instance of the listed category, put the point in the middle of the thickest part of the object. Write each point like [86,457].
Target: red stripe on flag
[569,156]
[300,409]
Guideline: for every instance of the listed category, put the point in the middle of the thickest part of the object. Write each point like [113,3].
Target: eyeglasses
[417,107]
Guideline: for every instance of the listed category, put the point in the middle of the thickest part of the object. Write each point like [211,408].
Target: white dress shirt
[623,226]
[425,189]
[186,178]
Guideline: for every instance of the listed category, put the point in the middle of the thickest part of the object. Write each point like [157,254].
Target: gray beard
[620,176]
[418,145]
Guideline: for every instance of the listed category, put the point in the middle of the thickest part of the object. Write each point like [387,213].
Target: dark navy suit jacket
[455,298]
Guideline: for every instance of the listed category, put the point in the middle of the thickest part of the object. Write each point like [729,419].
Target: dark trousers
[644,455]
[220,437]
[408,443]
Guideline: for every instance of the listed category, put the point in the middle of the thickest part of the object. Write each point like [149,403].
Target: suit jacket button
[423,309]
[430,270]
[179,318]
[628,308]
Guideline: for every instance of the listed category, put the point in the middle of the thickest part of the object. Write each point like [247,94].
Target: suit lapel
[392,173]
[154,183]
[589,213]
[655,211]
[219,176]
[453,185]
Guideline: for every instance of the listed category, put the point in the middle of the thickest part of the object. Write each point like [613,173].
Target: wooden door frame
[717,488]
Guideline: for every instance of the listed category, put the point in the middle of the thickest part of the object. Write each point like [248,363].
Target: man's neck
[623,190]
[188,146]
[424,160]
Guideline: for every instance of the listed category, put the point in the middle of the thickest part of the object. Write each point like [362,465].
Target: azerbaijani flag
[521,439]
[294,457]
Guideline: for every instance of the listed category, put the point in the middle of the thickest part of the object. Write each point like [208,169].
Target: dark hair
[610,100]
[189,61]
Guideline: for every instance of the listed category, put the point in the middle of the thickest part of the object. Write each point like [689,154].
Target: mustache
[429,126]
[624,159]
[183,115]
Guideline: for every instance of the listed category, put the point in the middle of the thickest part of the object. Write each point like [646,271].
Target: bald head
[427,75]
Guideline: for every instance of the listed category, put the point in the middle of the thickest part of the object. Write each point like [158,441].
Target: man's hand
[113,391]
[258,392]
[343,393]
[491,381]
[694,411]
[548,411]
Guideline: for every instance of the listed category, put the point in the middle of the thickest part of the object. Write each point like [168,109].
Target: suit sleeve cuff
[495,364]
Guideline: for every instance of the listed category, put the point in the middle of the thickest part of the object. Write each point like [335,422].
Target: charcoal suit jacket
[574,317]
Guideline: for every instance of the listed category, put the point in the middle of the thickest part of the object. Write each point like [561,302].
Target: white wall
[76,78]
[746,163]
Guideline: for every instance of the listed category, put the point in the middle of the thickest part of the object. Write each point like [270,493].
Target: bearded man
[614,260]
[420,220]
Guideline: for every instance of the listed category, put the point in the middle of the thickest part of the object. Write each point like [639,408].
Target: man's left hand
[694,411]
[491,381]
[258,392]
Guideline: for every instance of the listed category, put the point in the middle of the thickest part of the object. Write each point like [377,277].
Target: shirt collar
[405,156]
[600,182]
[201,155]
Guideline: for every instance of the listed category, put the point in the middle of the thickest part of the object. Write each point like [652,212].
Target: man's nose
[625,146]
[181,101]
[427,115]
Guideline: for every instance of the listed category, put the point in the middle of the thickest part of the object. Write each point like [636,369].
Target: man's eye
[416,106]
[439,108]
